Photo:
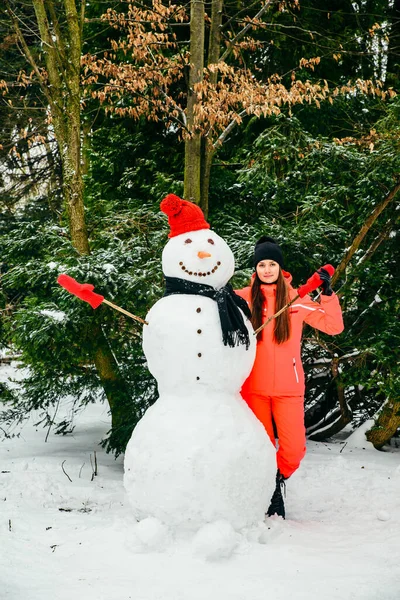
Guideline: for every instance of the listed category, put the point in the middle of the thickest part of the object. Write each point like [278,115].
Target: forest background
[277,117]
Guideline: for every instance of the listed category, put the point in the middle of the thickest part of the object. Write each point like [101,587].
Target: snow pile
[149,535]
[357,439]
[63,539]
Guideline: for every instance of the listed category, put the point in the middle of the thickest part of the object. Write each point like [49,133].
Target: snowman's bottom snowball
[200,459]
[215,540]
[150,535]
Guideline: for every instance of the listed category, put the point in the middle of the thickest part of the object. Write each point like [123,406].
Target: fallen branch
[94,468]
[64,471]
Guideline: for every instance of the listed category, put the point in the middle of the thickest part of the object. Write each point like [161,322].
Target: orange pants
[288,415]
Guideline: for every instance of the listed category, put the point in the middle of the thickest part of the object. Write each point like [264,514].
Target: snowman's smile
[199,273]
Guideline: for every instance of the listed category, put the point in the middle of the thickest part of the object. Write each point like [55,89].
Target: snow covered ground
[66,533]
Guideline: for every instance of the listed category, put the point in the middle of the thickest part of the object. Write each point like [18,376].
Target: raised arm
[325,316]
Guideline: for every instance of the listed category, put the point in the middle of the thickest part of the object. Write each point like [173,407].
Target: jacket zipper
[295,370]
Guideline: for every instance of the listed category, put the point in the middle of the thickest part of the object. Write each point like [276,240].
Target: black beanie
[267,249]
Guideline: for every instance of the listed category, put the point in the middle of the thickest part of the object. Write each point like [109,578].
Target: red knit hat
[183,216]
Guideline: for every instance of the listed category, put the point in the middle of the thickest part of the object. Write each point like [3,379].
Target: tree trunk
[116,391]
[192,173]
[213,57]
[386,424]
[392,68]
[207,159]
[63,65]
[73,191]
[72,175]
[64,96]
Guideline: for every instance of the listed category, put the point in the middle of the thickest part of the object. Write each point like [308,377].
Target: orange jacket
[277,369]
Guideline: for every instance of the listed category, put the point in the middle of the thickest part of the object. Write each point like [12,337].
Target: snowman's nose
[202,254]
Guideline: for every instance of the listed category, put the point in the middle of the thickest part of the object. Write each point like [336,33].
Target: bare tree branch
[364,230]
[245,29]
[27,53]
[222,138]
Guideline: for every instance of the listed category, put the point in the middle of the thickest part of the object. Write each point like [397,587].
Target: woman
[275,387]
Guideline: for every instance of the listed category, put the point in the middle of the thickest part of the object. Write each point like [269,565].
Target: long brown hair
[282,323]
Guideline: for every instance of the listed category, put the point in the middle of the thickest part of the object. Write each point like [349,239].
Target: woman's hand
[326,279]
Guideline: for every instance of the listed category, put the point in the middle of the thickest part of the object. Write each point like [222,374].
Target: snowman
[198,456]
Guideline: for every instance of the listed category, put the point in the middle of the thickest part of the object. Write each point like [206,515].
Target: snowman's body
[184,349]
[199,454]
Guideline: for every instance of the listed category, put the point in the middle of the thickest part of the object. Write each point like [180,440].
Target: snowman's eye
[188,241]
[210,241]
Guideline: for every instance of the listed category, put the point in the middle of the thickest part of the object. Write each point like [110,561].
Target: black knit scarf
[234,330]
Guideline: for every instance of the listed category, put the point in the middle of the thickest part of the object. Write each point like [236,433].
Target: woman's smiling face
[267,271]
[200,256]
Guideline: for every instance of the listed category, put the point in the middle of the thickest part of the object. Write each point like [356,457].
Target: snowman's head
[194,252]
[201,256]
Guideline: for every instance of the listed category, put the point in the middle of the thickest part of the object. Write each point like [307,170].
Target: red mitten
[314,281]
[84,291]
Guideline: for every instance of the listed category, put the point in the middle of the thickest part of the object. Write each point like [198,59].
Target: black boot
[277,506]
